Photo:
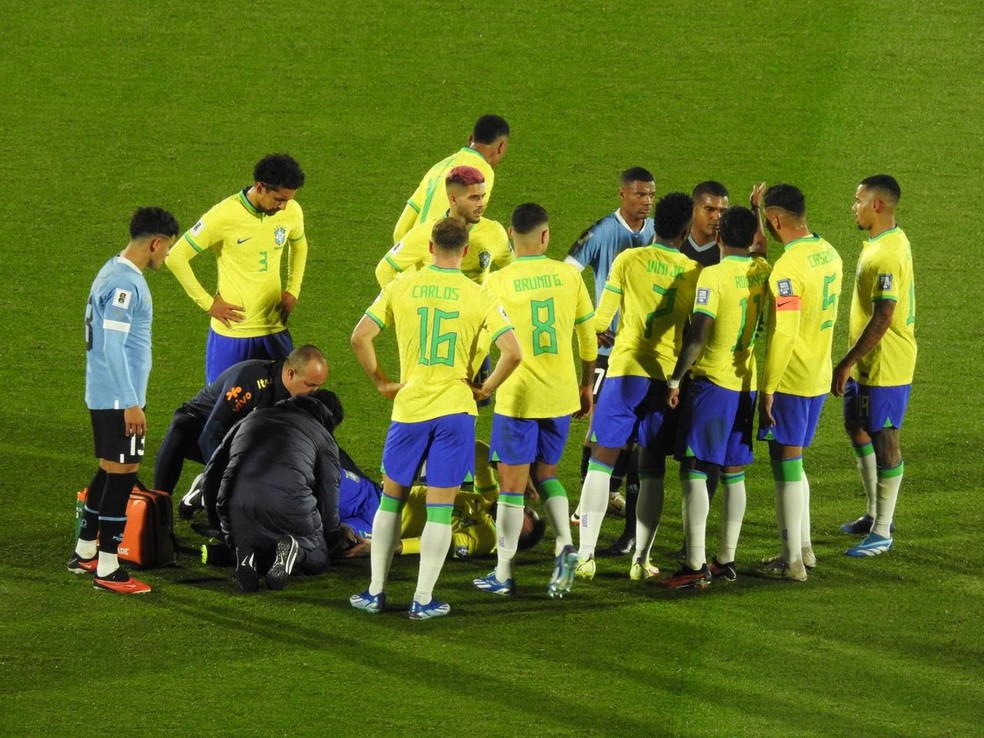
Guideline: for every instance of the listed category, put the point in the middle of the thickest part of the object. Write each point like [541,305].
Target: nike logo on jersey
[243,240]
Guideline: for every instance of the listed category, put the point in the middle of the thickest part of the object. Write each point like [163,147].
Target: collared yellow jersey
[885,273]
[653,287]
[439,316]
[803,290]
[488,244]
[473,530]
[429,201]
[248,246]
[734,293]
[545,300]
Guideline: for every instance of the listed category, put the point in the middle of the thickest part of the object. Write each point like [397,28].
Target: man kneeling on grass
[272,487]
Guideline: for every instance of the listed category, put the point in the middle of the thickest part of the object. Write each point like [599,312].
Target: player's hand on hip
[287,304]
[389,389]
[225,312]
[135,421]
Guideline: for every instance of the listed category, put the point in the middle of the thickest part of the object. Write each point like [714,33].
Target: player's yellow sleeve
[178,262]
[784,329]
[611,298]
[587,342]
[408,219]
[296,263]
[385,273]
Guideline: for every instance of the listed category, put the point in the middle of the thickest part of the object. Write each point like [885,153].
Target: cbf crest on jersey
[785,287]
[484,259]
[884,282]
[280,236]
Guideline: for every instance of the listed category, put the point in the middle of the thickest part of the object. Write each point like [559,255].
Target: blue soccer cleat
[563,573]
[872,545]
[432,609]
[372,604]
[493,586]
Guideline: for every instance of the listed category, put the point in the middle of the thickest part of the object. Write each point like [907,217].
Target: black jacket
[277,472]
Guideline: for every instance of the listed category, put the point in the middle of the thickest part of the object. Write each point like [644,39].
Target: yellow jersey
[803,290]
[429,202]
[653,287]
[546,300]
[885,273]
[248,246]
[439,316]
[488,244]
[734,292]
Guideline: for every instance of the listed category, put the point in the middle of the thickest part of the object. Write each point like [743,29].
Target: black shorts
[111,441]
[601,370]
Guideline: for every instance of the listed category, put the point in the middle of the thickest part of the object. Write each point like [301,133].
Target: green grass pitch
[111,105]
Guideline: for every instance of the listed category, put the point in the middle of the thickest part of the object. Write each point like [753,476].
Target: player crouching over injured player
[271,488]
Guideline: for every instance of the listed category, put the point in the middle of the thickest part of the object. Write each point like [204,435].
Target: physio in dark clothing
[271,488]
[199,425]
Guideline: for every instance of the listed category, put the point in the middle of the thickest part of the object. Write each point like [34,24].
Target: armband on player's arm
[296,263]
[177,261]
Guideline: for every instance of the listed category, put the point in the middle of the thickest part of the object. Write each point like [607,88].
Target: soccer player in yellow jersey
[429,202]
[875,375]
[653,287]
[438,314]
[547,301]
[803,290]
[719,405]
[488,242]
[249,233]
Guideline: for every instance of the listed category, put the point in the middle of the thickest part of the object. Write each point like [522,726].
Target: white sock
[508,526]
[108,563]
[385,535]
[434,544]
[557,511]
[696,505]
[732,516]
[649,511]
[594,503]
[889,481]
[805,538]
[792,521]
[86,549]
[868,470]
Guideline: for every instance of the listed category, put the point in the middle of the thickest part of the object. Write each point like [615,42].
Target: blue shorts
[875,408]
[446,443]
[634,409]
[796,419]
[221,352]
[716,424]
[517,441]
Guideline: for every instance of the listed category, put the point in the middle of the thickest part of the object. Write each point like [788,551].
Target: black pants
[180,443]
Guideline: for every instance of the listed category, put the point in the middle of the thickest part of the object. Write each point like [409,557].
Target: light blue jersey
[117,337]
[598,246]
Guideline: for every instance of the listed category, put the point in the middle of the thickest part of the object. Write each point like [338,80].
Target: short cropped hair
[464,176]
[636,174]
[672,214]
[737,227]
[278,170]
[330,400]
[153,221]
[302,355]
[528,217]
[886,184]
[709,187]
[787,197]
[488,128]
[449,234]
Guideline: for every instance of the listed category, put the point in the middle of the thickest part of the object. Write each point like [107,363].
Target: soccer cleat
[624,544]
[616,505]
[563,573]
[872,545]
[640,572]
[585,570]
[247,578]
[777,568]
[687,578]
[492,585]
[193,499]
[861,526]
[78,565]
[809,558]
[727,572]
[120,582]
[372,604]
[283,562]
[432,609]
